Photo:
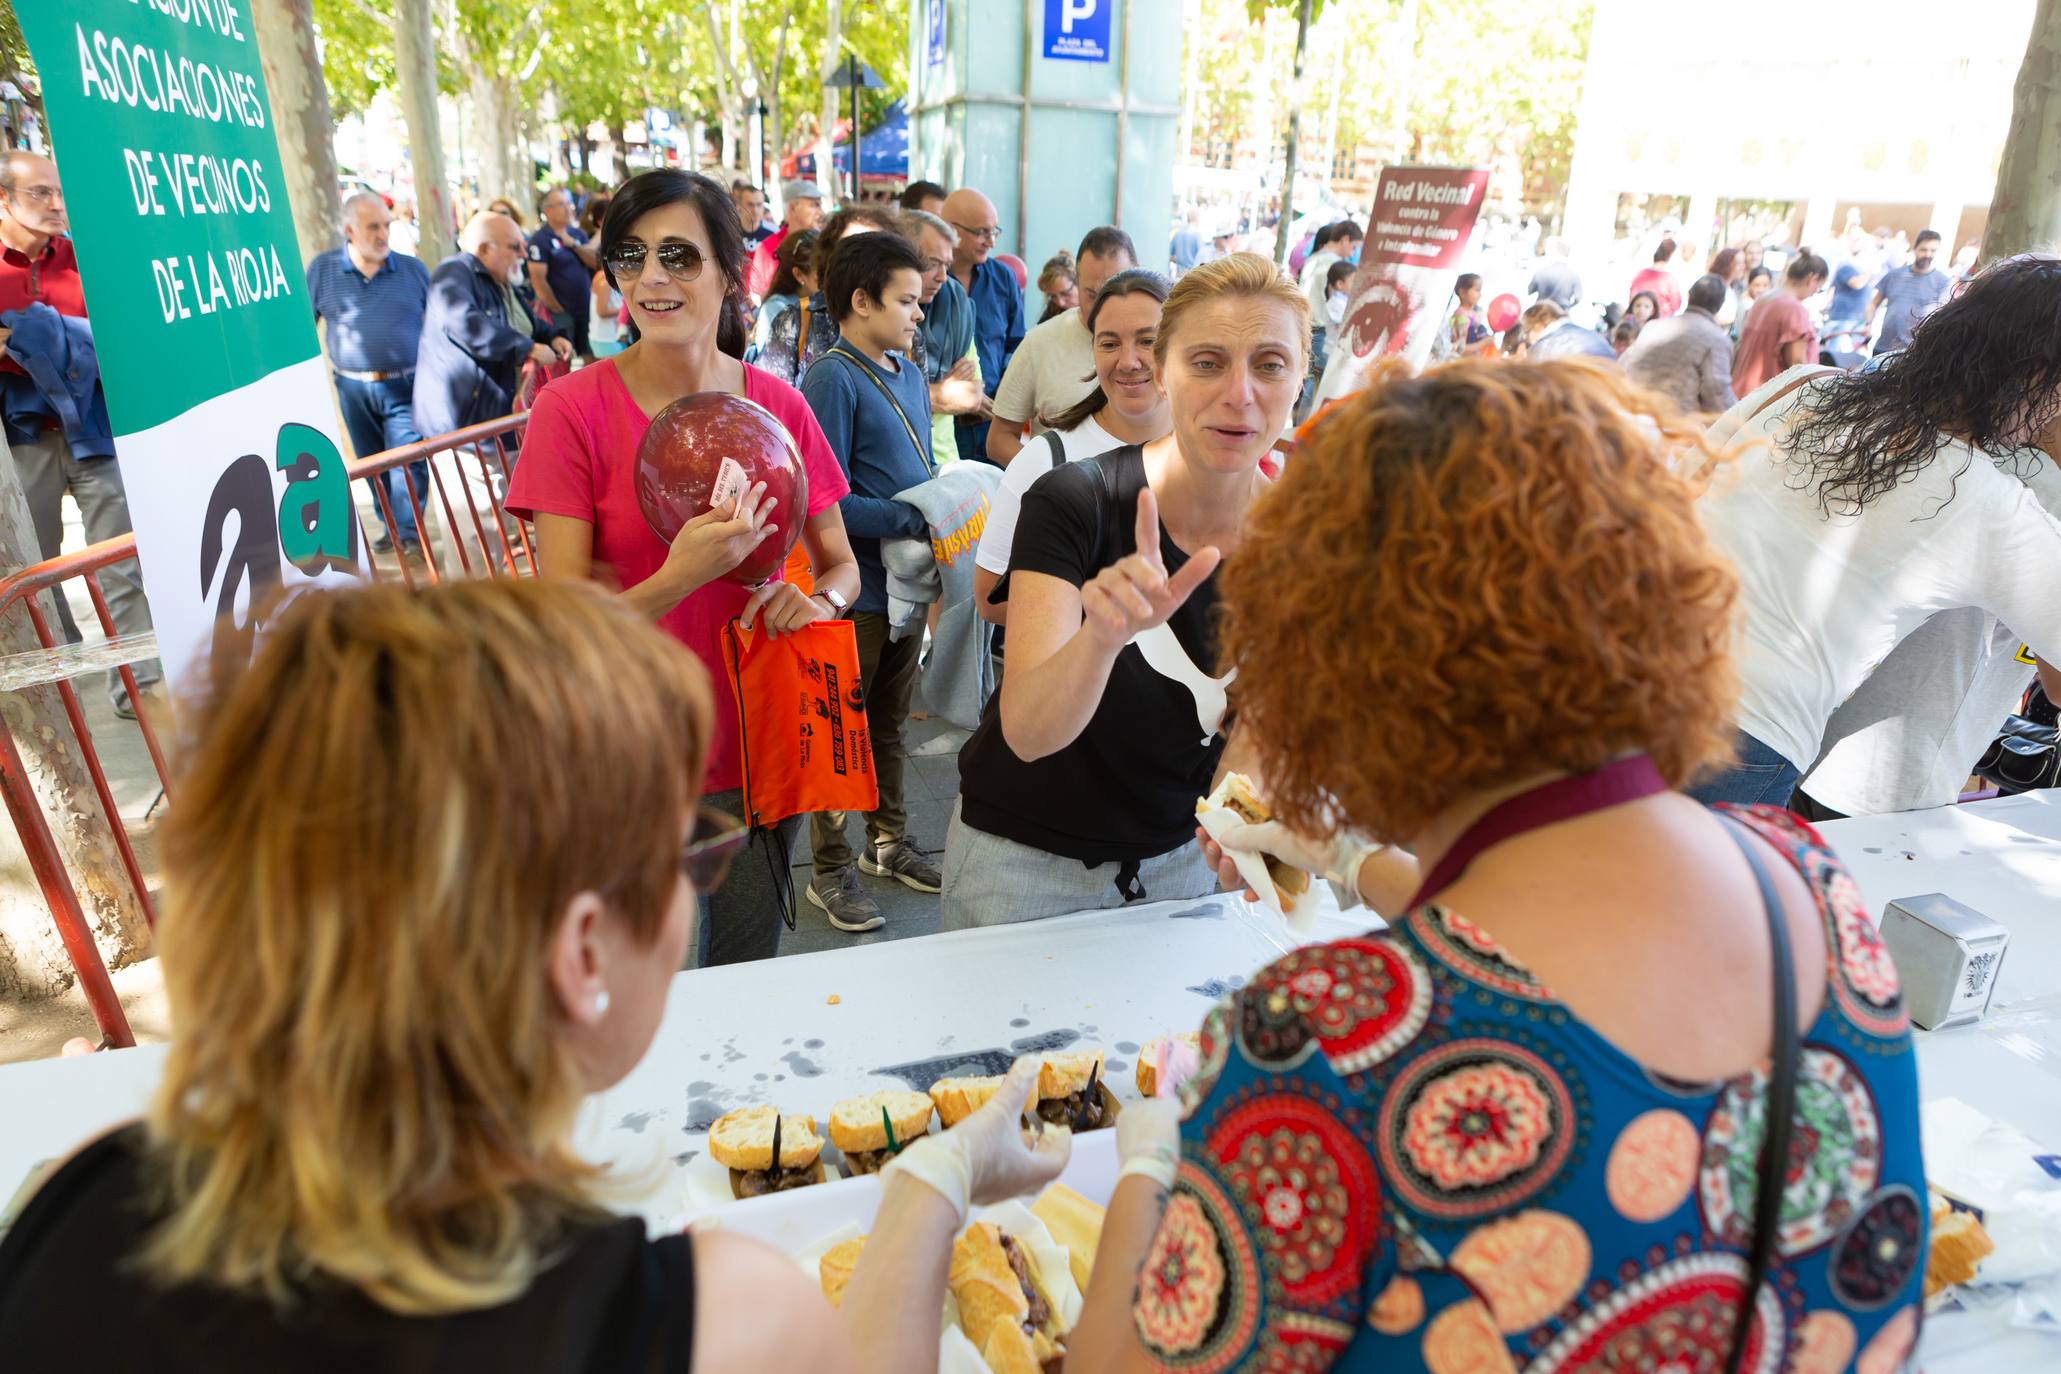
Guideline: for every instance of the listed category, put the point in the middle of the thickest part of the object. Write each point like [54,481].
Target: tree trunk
[33,962]
[493,107]
[300,111]
[826,119]
[2025,212]
[618,153]
[415,72]
[1295,94]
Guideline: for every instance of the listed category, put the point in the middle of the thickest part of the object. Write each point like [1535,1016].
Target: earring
[601,1004]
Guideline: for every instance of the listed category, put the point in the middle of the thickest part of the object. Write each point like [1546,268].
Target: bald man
[997,303]
[475,336]
[370,301]
[59,433]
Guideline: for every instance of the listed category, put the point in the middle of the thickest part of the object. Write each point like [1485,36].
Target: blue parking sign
[1078,30]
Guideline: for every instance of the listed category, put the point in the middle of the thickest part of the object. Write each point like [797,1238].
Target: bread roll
[1146,1071]
[743,1140]
[987,1288]
[834,1270]
[1075,1223]
[959,1098]
[1061,1074]
[855,1123]
[1959,1245]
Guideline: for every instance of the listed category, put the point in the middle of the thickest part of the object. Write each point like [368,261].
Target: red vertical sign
[1422,224]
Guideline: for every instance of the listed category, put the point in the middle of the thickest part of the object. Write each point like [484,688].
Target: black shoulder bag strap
[1781,1106]
[838,351]
[1058,449]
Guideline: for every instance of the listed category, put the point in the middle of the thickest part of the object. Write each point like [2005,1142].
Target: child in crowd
[874,407]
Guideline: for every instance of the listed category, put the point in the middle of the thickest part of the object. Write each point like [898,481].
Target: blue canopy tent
[883,151]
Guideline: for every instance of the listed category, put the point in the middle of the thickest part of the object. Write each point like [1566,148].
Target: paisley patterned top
[1402,1153]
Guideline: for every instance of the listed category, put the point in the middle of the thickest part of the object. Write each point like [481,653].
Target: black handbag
[1772,1173]
[2026,754]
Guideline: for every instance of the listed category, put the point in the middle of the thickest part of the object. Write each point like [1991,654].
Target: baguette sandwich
[766,1152]
[1153,1054]
[1003,1307]
[1075,1223]
[859,1128]
[1959,1245]
[1070,1093]
[1236,793]
[834,1270]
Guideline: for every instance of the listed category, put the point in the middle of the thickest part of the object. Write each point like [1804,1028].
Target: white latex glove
[1337,859]
[1148,1140]
[986,1158]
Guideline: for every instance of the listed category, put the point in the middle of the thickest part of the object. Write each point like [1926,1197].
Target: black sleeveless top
[70,1299]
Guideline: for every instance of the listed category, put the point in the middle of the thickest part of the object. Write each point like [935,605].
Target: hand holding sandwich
[986,1158]
[891,1304]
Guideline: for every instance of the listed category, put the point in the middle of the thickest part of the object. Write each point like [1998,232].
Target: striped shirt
[375,322]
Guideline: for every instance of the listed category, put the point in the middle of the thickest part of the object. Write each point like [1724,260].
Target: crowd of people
[1538,655]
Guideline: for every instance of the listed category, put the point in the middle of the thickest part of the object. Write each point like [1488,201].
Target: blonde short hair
[379,826]
[1234,274]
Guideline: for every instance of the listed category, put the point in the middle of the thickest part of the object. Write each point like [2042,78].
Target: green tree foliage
[1461,81]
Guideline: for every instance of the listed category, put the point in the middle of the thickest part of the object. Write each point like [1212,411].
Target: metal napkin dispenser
[1947,957]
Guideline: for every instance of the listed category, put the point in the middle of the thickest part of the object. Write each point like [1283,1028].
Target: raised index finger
[1148,526]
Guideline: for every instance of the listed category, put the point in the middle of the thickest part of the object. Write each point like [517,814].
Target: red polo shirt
[52,279]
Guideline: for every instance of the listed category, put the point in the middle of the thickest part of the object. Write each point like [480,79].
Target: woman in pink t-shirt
[576,479]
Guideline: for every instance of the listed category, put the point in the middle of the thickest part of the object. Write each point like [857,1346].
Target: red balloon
[713,443]
[1503,312]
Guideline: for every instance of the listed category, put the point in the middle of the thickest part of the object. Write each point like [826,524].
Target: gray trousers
[991,881]
[48,471]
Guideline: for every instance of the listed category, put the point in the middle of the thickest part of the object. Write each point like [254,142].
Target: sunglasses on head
[682,261]
[717,838]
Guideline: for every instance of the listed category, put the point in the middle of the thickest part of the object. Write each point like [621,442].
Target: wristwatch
[838,604]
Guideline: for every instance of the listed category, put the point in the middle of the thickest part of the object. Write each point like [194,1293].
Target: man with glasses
[801,208]
[370,301]
[42,312]
[470,357]
[951,358]
[1055,367]
[562,265]
[997,304]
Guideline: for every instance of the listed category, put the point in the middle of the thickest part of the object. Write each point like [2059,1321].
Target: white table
[769,1032]
[2003,858]
[906,1009]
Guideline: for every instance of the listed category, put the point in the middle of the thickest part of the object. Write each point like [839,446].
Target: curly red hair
[1472,576]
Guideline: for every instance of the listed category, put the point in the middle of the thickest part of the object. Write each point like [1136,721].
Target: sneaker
[383,544]
[904,862]
[841,900]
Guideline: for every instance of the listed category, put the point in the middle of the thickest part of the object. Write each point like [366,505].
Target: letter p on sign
[1070,10]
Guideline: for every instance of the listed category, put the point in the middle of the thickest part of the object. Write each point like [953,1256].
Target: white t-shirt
[1826,598]
[1910,735]
[1085,440]
[1315,269]
[1045,374]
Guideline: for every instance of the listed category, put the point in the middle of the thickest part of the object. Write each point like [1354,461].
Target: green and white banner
[223,418]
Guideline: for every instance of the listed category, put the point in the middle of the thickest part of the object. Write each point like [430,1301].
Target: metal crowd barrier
[467,475]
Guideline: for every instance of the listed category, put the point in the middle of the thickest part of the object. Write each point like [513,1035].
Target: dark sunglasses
[682,261]
[716,839]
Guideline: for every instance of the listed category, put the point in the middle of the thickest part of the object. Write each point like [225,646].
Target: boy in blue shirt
[874,407]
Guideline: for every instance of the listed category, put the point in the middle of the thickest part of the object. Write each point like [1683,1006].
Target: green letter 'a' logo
[317,528]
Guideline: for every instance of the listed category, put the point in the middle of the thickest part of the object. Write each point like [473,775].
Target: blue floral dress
[1402,1153]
